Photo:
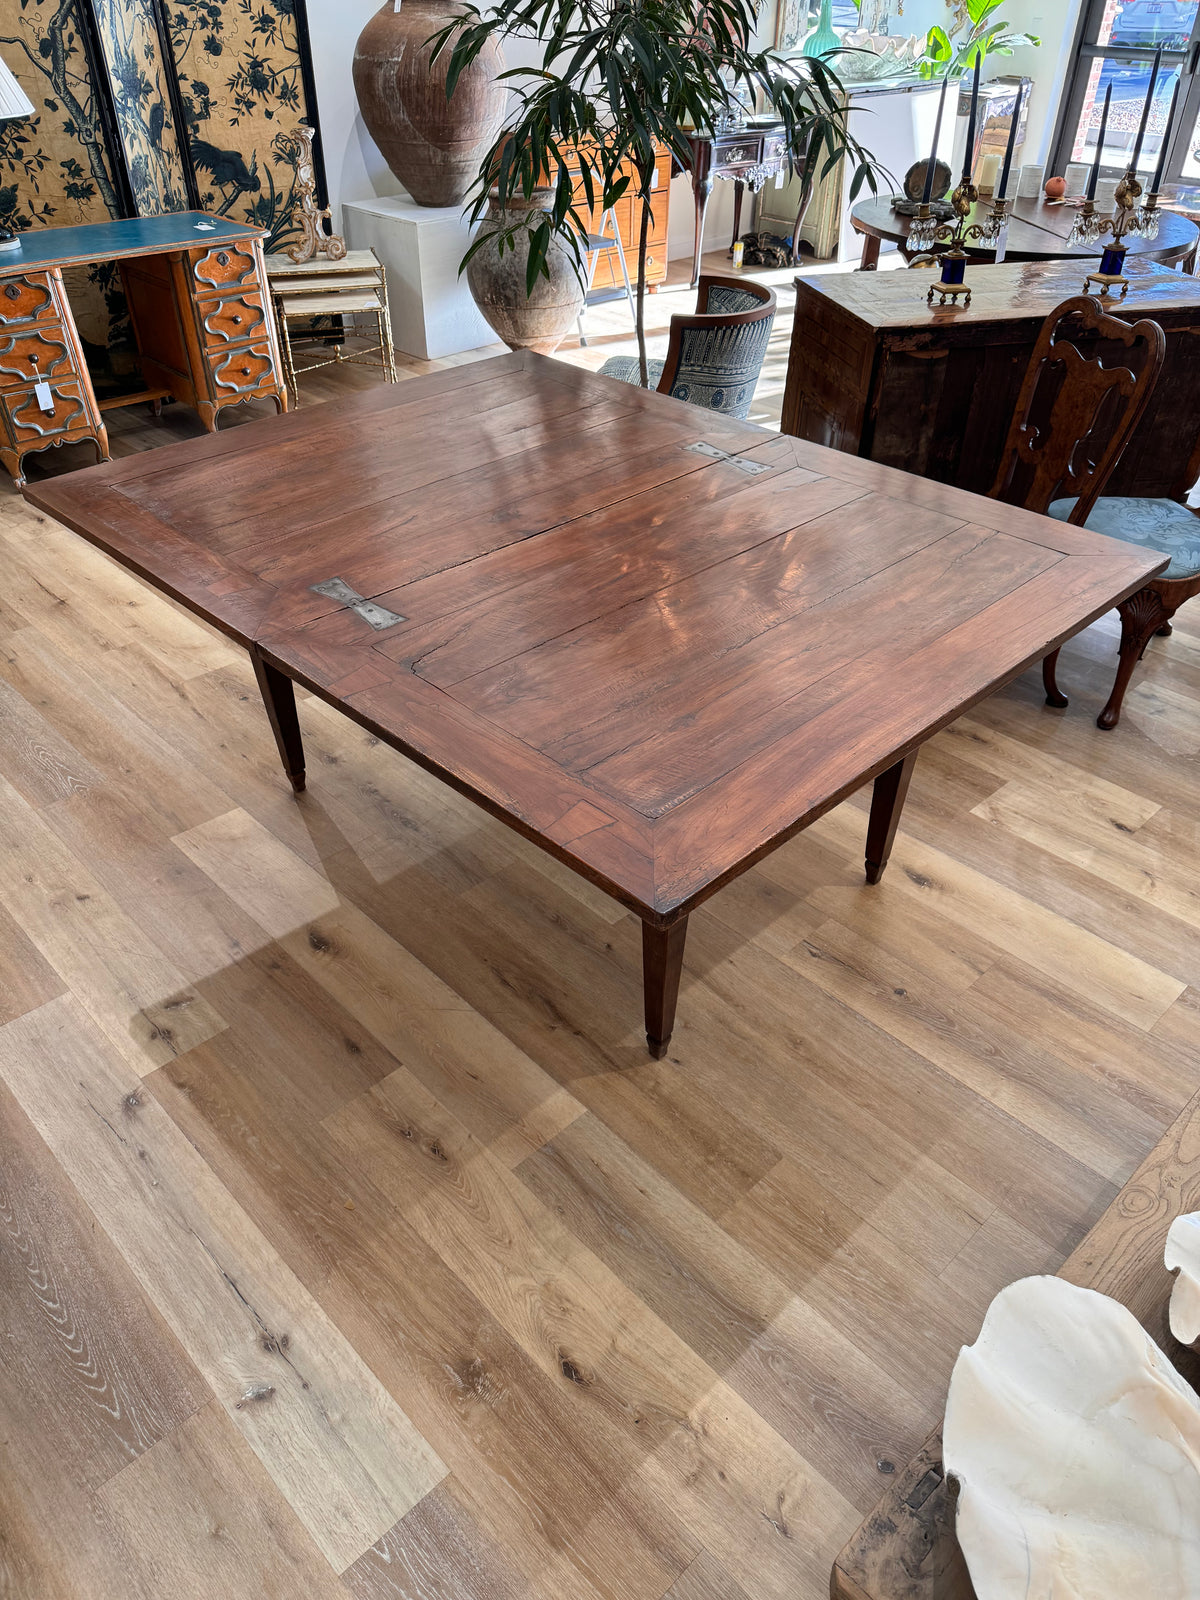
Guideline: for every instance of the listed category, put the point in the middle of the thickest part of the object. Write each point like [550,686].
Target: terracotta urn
[433,145]
[537,321]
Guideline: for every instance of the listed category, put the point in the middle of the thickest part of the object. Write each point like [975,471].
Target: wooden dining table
[1038,230]
[655,641]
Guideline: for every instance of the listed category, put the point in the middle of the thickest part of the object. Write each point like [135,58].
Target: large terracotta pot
[538,321]
[433,145]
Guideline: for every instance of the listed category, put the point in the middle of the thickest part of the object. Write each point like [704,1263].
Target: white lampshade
[14,102]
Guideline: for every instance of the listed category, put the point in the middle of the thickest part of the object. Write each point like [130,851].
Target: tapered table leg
[887,802]
[662,963]
[279,697]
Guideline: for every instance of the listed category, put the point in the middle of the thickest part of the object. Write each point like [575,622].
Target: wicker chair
[715,356]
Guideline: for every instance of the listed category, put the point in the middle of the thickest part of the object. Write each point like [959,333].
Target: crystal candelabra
[1131,217]
[926,231]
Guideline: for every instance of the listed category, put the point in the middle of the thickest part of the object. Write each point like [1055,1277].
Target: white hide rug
[1076,1446]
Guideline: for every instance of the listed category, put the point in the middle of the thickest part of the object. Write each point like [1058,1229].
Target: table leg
[870,253]
[279,697]
[887,802]
[739,190]
[702,189]
[662,963]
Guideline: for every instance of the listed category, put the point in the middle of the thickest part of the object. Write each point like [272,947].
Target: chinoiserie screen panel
[131,49]
[244,77]
[144,107]
[63,166]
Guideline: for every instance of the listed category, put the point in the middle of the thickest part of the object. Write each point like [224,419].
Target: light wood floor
[350,1245]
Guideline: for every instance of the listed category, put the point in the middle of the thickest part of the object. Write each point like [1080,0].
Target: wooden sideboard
[873,370]
[205,334]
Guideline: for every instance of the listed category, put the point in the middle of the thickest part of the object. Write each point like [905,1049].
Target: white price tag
[44,398]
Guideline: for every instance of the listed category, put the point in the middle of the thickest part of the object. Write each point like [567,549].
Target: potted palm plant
[617,81]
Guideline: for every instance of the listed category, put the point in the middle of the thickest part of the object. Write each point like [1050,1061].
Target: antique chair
[1086,387]
[715,356]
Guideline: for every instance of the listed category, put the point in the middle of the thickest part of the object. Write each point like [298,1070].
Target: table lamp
[14,104]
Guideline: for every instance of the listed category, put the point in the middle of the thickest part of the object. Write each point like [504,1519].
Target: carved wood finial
[297,147]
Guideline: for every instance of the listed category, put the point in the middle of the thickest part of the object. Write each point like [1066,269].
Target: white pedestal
[420,246]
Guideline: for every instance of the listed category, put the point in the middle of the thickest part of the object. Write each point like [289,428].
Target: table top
[906,1548]
[652,639]
[1037,230]
[121,238]
[1010,292]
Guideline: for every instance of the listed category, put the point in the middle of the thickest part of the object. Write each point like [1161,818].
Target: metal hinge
[740,462]
[377,617]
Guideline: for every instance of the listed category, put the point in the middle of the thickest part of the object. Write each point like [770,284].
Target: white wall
[356,171]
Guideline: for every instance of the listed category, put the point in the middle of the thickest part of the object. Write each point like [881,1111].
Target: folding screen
[144,107]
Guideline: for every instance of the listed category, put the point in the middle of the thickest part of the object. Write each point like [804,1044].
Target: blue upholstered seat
[1161,525]
[626,368]
[719,359]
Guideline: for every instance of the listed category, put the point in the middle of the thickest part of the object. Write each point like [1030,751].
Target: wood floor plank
[795,1367]
[139,998]
[266,879]
[91,1377]
[203,1519]
[132,753]
[994,1058]
[706,1446]
[1123,984]
[39,763]
[436,1552]
[339,1448]
[705,1579]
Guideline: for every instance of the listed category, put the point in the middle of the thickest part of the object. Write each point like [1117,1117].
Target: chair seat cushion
[1160,525]
[626,369]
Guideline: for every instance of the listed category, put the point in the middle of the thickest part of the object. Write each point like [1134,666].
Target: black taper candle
[937,134]
[1012,144]
[1095,172]
[1141,133]
[1166,138]
[969,152]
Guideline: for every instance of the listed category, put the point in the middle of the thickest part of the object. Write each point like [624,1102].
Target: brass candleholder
[926,232]
[1129,218]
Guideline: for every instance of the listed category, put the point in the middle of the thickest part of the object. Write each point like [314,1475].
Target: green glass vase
[822,39]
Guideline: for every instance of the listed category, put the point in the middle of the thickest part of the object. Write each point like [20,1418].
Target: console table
[205,335]
[748,157]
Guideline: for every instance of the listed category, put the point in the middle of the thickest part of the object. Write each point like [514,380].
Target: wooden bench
[906,1549]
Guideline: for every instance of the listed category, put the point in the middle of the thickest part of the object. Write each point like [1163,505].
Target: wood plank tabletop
[655,641]
[906,1548]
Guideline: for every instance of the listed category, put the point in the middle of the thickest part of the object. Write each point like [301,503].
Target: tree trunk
[643,241]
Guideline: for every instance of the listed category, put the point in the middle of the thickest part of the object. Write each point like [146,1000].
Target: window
[1116,47]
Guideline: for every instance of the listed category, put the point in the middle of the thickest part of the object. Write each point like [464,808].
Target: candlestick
[937,133]
[970,150]
[1095,172]
[1012,144]
[1141,133]
[1166,139]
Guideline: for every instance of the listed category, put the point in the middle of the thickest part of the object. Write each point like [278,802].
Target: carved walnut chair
[715,356]
[1087,385]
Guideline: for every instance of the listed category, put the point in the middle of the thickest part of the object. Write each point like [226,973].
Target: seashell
[1076,1446]
[1183,1252]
